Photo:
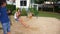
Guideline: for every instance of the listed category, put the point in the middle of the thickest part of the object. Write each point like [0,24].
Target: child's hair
[2,1]
[18,9]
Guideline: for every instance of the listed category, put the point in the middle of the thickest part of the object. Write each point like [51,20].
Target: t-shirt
[3,15]
[15,17]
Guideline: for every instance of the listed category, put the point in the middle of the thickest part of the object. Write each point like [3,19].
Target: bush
[13,12]
[23,12]
[34,11]
[57,9]
[11,7]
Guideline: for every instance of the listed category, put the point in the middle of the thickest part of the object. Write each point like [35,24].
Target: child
[16,17]
[4,17]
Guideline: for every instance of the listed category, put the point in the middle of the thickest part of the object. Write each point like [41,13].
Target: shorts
[16,20]
[6,27]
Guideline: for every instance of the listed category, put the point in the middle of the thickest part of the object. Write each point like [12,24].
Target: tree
[42,1]
[51,0]
[39,1]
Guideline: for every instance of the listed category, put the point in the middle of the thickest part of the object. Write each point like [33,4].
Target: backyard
[45,16]
[45,23]
[49,14]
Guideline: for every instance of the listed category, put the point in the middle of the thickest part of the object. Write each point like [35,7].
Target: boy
[16,17]
[4,17]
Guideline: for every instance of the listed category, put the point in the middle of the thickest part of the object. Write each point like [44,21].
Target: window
[23,3]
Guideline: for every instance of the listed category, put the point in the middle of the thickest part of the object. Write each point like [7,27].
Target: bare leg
[23,23]
[8,33]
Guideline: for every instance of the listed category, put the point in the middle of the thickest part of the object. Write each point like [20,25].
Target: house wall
[10,2]
[29,4]
[18,4]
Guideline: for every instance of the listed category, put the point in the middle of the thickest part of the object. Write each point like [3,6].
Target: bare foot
[8,33]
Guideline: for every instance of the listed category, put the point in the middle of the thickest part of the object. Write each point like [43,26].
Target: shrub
[57,9]
[23,12]
[13,12]
[11,7]
[34,11]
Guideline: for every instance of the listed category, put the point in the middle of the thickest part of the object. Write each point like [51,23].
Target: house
[48,2]
[11,2]
[23,4]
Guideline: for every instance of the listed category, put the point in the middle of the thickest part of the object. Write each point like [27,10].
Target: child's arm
[23,23]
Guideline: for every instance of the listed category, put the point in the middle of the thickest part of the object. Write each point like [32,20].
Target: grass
[49,14]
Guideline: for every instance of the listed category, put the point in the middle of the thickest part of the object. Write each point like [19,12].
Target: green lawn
[49,14]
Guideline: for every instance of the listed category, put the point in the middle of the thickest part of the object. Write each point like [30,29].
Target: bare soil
[40,25]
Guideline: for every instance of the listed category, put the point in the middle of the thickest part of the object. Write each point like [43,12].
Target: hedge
[11,7]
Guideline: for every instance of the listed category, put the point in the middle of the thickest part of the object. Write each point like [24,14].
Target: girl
[17,15]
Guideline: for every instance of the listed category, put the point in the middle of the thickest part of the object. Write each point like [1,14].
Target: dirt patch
[40,25]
